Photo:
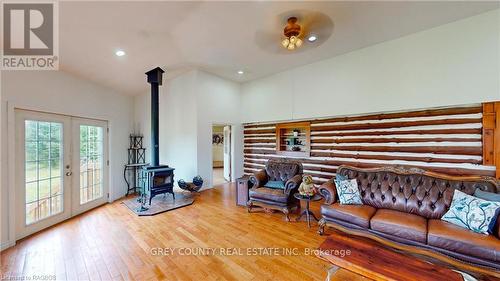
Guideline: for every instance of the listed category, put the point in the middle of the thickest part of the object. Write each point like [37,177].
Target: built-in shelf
[293,139]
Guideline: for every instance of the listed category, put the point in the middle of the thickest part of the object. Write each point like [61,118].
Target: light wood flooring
[218,176]
[112,243]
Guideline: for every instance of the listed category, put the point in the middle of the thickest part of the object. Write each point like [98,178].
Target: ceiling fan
[296,31]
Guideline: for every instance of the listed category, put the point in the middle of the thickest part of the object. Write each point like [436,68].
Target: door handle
[69,173]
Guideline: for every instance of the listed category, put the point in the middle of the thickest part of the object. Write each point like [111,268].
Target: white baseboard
[7,244]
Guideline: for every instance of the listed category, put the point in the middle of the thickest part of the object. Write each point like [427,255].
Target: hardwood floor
[218,176]
[112,243]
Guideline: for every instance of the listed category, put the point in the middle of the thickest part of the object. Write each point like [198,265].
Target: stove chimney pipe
[155,79]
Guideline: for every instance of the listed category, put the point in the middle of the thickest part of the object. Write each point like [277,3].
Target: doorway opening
[221,154]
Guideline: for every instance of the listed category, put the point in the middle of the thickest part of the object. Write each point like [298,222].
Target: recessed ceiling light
[240,72]
[120,53]
[312,38]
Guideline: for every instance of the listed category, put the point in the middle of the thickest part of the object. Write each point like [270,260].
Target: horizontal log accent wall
[446,140]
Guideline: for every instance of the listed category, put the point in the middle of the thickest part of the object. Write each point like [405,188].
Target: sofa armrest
[293,184]
[258,179]
[328,191]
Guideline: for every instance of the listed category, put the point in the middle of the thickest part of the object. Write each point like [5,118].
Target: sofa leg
[249,206]
[287,214]
[321,226]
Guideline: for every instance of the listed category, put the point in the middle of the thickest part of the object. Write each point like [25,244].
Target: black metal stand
[135,170]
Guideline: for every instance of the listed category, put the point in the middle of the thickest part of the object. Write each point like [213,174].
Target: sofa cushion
[404,225]
[275,184]
[472,213]
[347,191]
[268,194]
[356,214]
[447,236]
[489,196]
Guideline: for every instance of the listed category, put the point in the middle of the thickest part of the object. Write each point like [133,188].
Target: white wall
[57,92]
[178,126]
[453,64]
[189,105]
[218,102]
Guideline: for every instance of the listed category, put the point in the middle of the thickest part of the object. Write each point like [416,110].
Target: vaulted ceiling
[224,37]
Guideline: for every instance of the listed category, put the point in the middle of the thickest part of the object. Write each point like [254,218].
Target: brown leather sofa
[403,207]
[271,198]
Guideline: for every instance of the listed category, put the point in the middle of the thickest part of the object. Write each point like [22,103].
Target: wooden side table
[307,212]
[242,187]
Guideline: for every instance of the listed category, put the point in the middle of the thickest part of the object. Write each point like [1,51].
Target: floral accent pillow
[348,191]
[472,213]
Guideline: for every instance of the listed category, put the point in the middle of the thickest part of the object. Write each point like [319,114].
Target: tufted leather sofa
[270,198]
[404,206]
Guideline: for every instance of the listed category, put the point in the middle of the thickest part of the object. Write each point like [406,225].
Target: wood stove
[157,179]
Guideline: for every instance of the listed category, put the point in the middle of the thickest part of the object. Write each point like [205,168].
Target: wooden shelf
[290,135]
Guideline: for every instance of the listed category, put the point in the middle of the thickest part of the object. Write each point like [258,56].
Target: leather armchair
[273,198]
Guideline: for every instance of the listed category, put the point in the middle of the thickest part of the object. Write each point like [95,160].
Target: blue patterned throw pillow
[275,184]
[348,191]
[472,213]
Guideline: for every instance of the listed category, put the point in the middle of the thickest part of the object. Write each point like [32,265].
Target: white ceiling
[223,37]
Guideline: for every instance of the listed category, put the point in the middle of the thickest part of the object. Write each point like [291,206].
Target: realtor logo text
[30,36]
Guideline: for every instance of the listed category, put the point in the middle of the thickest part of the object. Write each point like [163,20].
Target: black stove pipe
[155,79]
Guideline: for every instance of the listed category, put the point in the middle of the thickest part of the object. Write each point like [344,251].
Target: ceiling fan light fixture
[298,43]
[291,32]
[285,42]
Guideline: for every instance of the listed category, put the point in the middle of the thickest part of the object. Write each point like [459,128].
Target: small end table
[307,212]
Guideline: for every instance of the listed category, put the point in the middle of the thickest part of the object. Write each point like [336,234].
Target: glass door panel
[42,149]
[91,163]
[43,170]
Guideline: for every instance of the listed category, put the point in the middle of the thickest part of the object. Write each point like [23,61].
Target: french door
[61,168]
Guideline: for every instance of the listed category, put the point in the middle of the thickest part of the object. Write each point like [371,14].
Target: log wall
[446,140]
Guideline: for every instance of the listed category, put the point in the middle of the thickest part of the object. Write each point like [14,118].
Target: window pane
[44,189]
[43,170]
[44,208]
[43,131]
[55,150]
[83,149]
[55,168]
[31,150]
[55,132]
[56,204]
[83,195]
[55,186]
[31,212]
[31,171]
[30,130]
[31,192]
[43,150]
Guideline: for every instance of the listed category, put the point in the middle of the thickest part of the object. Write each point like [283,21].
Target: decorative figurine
[307,188]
